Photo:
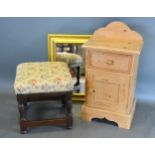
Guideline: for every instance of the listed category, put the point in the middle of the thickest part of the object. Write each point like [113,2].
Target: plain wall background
[25,39]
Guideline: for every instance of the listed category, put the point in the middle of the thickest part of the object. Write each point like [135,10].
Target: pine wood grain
[112,55]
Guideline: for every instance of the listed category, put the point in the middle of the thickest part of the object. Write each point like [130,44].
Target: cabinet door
[108,91]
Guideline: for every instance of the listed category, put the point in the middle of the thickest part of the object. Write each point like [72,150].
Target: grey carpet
[143,124]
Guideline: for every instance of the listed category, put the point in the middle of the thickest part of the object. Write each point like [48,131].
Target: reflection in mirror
[73,55]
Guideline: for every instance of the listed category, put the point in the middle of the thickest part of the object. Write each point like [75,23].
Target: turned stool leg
[68,109]
[25,105]
[21,108]
[69,113]
[63,102]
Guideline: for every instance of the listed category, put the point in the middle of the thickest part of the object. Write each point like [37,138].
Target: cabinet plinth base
[123,120]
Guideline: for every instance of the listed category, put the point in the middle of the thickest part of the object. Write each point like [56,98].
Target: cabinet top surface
[116,37]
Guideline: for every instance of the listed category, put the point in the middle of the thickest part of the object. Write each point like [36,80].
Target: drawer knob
[92,90]
[110,62]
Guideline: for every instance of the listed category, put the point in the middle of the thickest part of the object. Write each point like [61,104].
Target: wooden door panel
[107,91]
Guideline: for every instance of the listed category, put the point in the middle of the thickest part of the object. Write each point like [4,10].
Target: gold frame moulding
[54,39]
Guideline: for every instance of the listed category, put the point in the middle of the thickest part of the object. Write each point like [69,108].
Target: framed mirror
[68,48]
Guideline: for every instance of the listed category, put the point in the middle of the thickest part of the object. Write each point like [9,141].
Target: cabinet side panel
[132,84]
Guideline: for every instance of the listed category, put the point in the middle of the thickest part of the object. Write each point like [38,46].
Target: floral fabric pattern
[43,77]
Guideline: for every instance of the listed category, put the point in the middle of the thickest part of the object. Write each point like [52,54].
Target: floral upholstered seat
[42,77]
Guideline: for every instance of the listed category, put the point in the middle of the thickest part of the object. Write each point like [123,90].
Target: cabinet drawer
[109,61]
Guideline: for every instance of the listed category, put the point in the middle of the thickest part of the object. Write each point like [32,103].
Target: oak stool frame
[23,99]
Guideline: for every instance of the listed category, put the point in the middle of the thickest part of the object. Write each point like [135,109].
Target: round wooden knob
[92,90]
[110,62]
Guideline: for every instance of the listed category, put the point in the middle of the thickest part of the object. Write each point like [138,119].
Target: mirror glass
[73,55]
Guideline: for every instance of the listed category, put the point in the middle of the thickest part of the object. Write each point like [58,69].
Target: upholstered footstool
[39,81]
[74,61]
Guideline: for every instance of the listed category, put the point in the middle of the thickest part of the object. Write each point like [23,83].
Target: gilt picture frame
[54,40]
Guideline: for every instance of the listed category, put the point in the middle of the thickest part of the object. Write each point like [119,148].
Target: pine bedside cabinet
[111,68]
